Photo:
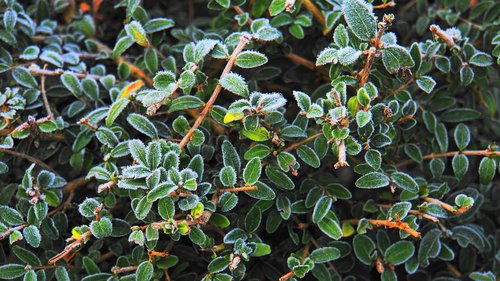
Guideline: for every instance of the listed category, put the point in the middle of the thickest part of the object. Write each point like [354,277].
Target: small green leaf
[309,156]
[276,7]
[23,77]
[235,84]
[321,208]
[358,15]
[395,57]
[250,59]
[135,31]
[252,171]
[72,83]
[144,271]
[102,228]
[365,249]
[405,182]
[143,125]
[12,271]
[460,165]
[185,102]
[324,254]
[487,170]
[260,134]
[399,252]
[373,180]
[218,264]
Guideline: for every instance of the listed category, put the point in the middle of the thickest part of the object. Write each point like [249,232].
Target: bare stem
[486,153]
[238,189]
[44,94]
[29,158]
[243,41]
[12,229]
[302,142]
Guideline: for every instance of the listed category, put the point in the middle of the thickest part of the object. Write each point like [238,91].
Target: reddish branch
[486,153]
[243,41]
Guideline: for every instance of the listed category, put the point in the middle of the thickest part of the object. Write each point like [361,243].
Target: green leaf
[373,158]
[328,55]
[483,276]
[230,156]
[115,110]
[460,165]
[331,228]
[324,254]
[429,247]
[363,118]
[252,171]
[396,57]
[309,156]
[279,178]
[365,249]
[303,100]
[122,45]
[102,228]
[258,150]
[399,252]
[227,176]
[26,256]
[227,201]
[259,134]
[348,55]
[314,111]
[72,83]
[460,115]
[413,152]
[358,15]
[481,59]
[487,170]
[135,31]
[250,59]
[373,180]
[158,24]
[276,7]
[442,137]
[185,102]
[32,236]
[151,60]
[263,192]
[11,271]
[144,271]
[23,77]
[142,124]
[11,216]
[253,219]
[235,84]
[218,264]
[405,182]
[321,208]
[9,19]
[464,201]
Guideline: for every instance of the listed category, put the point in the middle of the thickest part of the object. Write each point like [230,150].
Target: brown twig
[400,88]
[308,4]
[302,142]
[119,270]
[287,276]
[414,212]
[78,242]
[385,5]
[389,224]
[12,229]
[442,35]
[238,189]
[446,206]
[486,153]
[29,158]
[243,41]
[44,94]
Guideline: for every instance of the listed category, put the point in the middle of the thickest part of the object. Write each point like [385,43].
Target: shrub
[259,140]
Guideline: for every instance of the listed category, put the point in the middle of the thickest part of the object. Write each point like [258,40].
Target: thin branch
[243,41]
[442,35]
[12,229]
[385,5]
[308,4]
[238,189]
[486,153]
[118,270]
[447,207]
[29,158]
[44,94]
[302,142]
[78,242]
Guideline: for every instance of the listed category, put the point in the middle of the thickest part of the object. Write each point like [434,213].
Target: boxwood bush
[249,140]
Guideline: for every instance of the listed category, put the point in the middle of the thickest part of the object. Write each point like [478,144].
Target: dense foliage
[259,140]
